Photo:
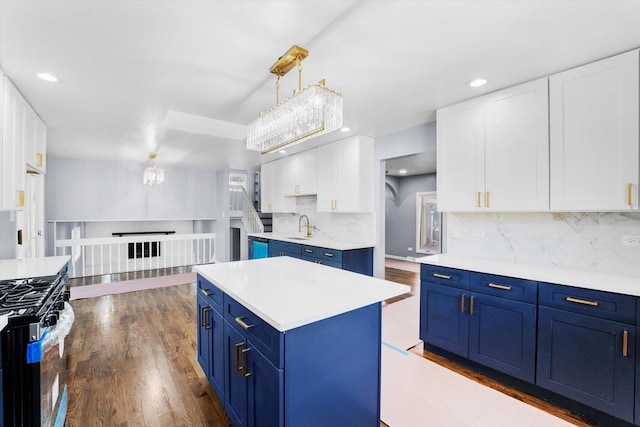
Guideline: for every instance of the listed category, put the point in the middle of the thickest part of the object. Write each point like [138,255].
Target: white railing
[109,255]
[240,202]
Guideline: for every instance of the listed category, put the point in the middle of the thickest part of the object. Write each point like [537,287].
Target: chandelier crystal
[153,175]
[310,112]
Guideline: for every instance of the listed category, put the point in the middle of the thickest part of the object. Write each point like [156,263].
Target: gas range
[34,300]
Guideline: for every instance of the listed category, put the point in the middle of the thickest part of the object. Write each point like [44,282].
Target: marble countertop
[287,292]
[317,241]
[578,278]
[31,267]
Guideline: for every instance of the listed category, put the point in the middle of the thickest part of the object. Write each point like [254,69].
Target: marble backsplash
[584,241]
[339,226]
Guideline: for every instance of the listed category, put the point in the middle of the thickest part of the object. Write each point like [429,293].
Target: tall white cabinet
[13,171]
[493,152]
[595,138]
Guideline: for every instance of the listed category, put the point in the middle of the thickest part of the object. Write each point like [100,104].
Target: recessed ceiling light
[48,77]
[477,82]
[402,171]
[282,151]
[344,129]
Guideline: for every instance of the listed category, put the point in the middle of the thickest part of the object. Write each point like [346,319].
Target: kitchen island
[288,342]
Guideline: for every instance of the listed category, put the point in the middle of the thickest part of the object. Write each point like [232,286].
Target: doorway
[31,220]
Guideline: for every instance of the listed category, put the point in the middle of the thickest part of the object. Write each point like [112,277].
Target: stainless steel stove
[34,365]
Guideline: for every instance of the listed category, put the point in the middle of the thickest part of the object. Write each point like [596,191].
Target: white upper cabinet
[345,176]
[493,152]
[272,198]
[12,133]
[594,128]
[300,174]
[35,141]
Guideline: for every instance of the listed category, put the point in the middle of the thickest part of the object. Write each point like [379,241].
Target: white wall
[8,236]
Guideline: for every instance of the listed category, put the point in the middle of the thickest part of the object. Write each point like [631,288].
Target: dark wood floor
[132,362]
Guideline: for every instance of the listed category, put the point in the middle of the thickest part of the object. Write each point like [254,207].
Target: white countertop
[579,278]
[31,267]
[318,241]
[287,292]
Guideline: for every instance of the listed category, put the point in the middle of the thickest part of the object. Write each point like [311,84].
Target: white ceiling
[124,65]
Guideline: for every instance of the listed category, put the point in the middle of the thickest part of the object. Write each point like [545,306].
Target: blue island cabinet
[323,373]
[210,334]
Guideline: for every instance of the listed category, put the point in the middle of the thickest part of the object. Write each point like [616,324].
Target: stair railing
[240,201]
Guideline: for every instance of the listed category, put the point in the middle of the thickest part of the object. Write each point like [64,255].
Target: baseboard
[399,258]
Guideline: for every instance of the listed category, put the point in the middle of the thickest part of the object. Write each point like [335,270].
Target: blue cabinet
[210,335]
[488,319]
[303,376]
[586,348]
[279,248]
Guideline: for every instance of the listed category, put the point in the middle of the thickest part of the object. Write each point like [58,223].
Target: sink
[299,238]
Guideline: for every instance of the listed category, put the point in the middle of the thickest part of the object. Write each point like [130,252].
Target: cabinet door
[517,149]
[502,335]
[41,146]
[327,177]
[204,335]
[267,178]
[443,319]
[13,135]
[460,156]
[216,355]
[236,386]
[300,173]
[266,392]
[587,359]
[594,150]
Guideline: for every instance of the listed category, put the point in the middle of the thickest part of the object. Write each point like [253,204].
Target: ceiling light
[48,77]
[402,171]
[282,151]
[310,112]
[344,129]
[477,82]
[153,175]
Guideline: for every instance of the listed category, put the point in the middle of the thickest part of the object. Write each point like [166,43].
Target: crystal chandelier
[312,111]
[153,175]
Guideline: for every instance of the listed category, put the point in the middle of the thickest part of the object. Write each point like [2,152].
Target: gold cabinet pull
[270,208]
[479,197]
[297,190]
[462,303]
[20,196]
[243,364]
[471,306]
[39,156]
[487,200]
[630,194]
[441,276]
[238,365]
[582,301]
[205,292]
[625,343]
[504,288]
[240,322]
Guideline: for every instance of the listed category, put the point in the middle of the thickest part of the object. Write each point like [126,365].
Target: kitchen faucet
[308,225]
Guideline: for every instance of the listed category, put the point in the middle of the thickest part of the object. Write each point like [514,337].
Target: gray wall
[400,212]
[105,190]
[418,139]
[8,239]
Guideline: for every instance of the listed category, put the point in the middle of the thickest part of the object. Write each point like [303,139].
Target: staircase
[267,221]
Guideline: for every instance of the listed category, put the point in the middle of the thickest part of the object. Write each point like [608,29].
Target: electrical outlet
[410,249]
[477,232]
[630,240]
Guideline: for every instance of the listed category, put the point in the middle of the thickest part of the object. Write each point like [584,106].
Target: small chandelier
[312,111]
[153,175]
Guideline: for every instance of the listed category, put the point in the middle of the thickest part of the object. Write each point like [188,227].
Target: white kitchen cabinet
[493,152]
[13,172]
[594,136]
[35,141]
[272,197]
[300,174]
[345,176]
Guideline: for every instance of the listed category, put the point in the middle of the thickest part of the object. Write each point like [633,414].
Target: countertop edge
[313,241]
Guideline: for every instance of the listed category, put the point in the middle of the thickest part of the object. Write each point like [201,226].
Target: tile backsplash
[339,226]
[584,241]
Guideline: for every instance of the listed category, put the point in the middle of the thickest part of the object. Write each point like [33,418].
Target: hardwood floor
[132,362]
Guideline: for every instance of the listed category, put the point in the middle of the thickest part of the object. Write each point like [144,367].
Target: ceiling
[415,164]
[124,65]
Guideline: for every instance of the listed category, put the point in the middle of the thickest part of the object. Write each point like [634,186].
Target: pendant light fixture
[153,175]
[311,111]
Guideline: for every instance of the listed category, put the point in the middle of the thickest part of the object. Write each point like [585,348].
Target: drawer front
[601,304]
[211,292]
[310,251]
[262,335]
[445,276]
[330,255]
[277,244]
[505,287]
